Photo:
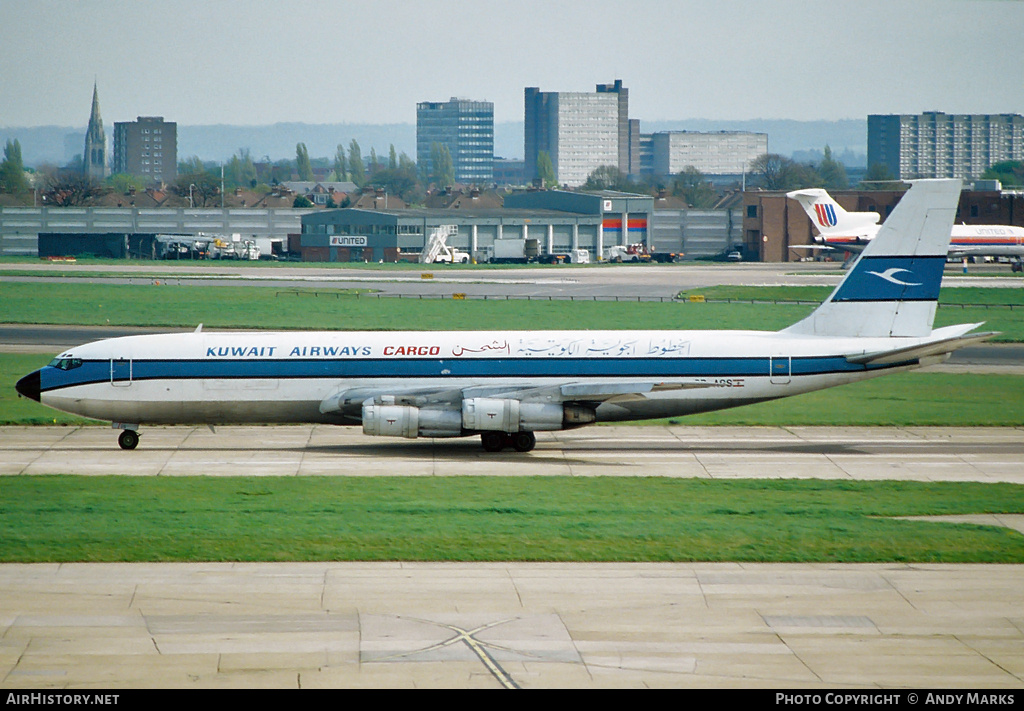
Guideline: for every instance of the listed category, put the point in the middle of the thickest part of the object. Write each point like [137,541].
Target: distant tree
[302,165]
[692,185]
[301,201]
[879,177]
[198,185]
[12,170]
[340,164]
[281,171]
[240,171]
[1007,172]
[191,166]
[66,188]
[123,183]
[405,162]
[392,158]
[546,170]
[770,170]
[607,177]
[77,163]
[374,162]
[832,172]
[802,175]
[400,180]
[442,170]
[356,169]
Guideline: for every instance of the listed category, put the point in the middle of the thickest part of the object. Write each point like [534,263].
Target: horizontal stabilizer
[923,350]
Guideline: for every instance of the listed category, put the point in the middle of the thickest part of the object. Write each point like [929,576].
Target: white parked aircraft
[851,231]
[507,385]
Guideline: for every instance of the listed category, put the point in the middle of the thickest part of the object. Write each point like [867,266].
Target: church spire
[94,160]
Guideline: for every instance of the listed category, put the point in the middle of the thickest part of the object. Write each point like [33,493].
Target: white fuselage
[281,377]
[966,240]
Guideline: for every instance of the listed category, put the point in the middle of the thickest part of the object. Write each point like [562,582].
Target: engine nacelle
[506,415]
[410,422]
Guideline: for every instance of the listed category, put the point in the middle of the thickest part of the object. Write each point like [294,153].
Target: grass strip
[264,308]
[116,518]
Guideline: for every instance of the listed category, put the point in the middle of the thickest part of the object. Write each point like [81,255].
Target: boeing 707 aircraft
[507,385]
[851,231]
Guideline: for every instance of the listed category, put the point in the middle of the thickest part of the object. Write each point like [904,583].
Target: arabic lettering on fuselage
[492,347]
[668,347]
[584,347]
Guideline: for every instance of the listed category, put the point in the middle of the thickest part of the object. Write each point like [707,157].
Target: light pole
[190,203]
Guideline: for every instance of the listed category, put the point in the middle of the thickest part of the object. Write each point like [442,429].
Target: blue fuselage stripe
[482,368]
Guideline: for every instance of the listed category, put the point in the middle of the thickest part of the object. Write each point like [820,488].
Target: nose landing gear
[128,439]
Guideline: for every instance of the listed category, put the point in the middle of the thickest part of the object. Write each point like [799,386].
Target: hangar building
[560,221]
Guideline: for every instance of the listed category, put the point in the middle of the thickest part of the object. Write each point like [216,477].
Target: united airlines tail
[893,287]
[831,219]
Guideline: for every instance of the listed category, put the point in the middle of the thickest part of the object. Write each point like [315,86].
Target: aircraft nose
[29,386]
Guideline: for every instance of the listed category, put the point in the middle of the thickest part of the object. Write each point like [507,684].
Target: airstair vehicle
[437,249]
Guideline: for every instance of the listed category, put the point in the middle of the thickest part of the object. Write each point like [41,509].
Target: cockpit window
[66,363]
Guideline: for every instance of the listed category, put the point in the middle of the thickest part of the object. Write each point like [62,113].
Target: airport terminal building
[561,222]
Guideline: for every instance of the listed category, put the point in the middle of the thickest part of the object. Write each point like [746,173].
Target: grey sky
[336,61]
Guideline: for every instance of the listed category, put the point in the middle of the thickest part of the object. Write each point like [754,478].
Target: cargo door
[780,369]
[121,372]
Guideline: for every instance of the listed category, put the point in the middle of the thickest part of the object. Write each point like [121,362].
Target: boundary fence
[613,298]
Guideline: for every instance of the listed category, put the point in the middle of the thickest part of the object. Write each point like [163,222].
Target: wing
[348,404]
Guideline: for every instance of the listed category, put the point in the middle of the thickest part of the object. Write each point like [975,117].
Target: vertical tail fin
[893,287]
[829,217]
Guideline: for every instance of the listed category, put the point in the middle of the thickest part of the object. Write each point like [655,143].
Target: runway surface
[912,453]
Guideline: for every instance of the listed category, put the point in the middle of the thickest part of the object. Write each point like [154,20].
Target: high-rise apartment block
[147,148]
[712,153]
[939,145]
[580,131]
[466,128]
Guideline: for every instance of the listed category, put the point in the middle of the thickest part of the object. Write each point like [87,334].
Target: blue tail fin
[893,287]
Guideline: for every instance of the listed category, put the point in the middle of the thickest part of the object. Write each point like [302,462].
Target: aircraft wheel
[524,441]
[128,439]
[493,441]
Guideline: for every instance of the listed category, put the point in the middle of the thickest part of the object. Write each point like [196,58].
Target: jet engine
[477,415]
[410,422]
[507,415]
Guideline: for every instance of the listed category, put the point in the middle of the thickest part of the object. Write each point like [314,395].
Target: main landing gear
[128,439]
[497,441]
